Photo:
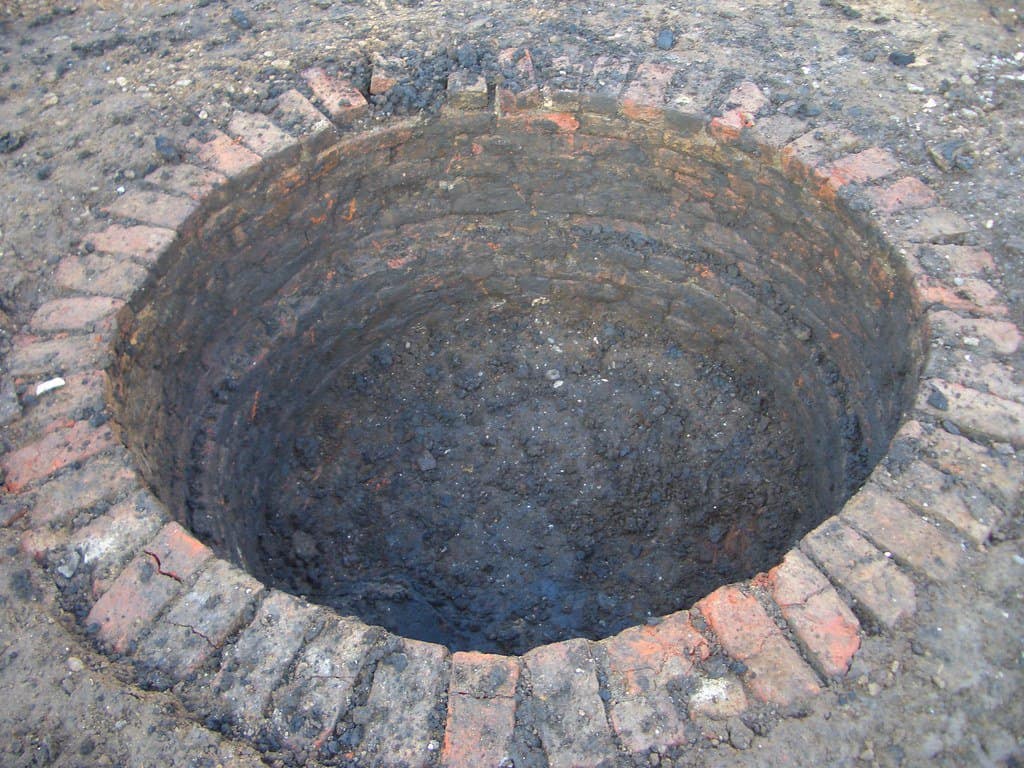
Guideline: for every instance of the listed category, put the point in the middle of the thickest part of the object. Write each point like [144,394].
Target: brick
[340,100]
[185,179]
[826,629]
[256,663]
[385,73]
[718,698]
[993,378]
[305,709]
[870,165]
[644,98]
[976,414]
[607,81]
[199,623]
[157,208]
[99,480]
[907,193]
[999,335]
[806,158]
[224,154]
[297,115]
[481,710]
[53,452]
[739,111]
[997,476]
[82,395]
[100,275]
[259,134]
[32,357]
[105,545]
[892,526]
[647,667]
[939,226]
[467,90]
[146,587]
[962,260]
[968,294]
[142,243]
[570,714]
[775,672]
[77,314]
[524,92]
[935,494]
[885,593]
[405,695]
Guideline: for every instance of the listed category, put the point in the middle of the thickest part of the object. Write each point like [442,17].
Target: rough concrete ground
[88,91]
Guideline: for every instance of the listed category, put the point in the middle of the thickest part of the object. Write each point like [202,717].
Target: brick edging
[297,678]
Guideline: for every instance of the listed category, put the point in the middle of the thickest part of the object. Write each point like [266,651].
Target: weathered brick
[385,73]
[467,89]
[340,100]
[259,134]
[570,714]
[146,586]
[157,208]
[100,275]
[523,92]
[606,82]
[644,97]
[82,396]
[224,154]
[718,698]
[77,314]
[101,479]
[199,623]
[826,629]
[106,544]
[775,672]
[647,667]
[53,452]
[185,179]
[404,697]
[938,225]
[935,494]
[903,194]
[305,709]
[297,115]
[255,664]
[975,413]
[806,158]
[999,477]
[739,111]
[892,526]
[967,294]
[142,243]
[481,710]
[880,588]
[34,357]
[870,165]
[1000,335]
[963,260]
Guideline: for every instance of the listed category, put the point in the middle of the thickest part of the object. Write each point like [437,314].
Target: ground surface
[85,89]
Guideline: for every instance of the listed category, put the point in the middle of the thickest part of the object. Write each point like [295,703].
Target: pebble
[75,664]
[426,462]
[666,39]
[902,59]
[240,20]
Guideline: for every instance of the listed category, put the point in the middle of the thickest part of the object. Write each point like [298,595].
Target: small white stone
[45,386]
[75,664]
[972,341]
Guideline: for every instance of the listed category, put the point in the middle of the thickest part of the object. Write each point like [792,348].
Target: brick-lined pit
[781,206]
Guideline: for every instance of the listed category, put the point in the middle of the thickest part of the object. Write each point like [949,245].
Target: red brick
[385,74]
[142,243]
[747,97]
[259,134]
[546,122]
[481,710]
[969,294]
[169,211]
[406,692]
[938,225]
[775,672]
[718,698]
[730,125]
[82,393]
[993,378]
[963,260]
[571,721]
[77,314]
[100,275]
[467,90]
[53,452]
[826,629]
[146,587]
[608,78]
[224,155]
[880,588]
[100,479]
[870,165]
[975,413]
[644,97]
[904,194]
[189,180]
[528,94]
[806,158]
[641,663]
[207,614]
[256,663]
[340,100]
[1000,335]
[32,357]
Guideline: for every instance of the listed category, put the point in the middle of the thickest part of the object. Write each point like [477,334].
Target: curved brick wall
[297,679]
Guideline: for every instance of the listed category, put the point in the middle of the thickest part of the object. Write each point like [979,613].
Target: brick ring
[298,680]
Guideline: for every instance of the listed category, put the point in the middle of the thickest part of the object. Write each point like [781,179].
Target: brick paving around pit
[299,680]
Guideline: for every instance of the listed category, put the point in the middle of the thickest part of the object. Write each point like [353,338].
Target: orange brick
[1002,336]
[157,208]
[821,621]
[189,180]
[77,314]
[644,97]
[146,586]
[58,449]
[259,134]
[100,275]
[903,194]
[100,479]
[975,413]
[224,155]
[775,672]
[869,165]
[340,100]
[142,243]
[481,710]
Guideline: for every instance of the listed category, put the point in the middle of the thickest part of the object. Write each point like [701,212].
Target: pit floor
[91,89]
